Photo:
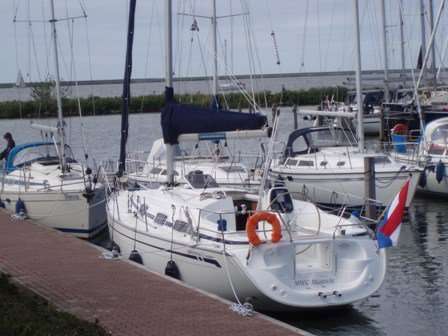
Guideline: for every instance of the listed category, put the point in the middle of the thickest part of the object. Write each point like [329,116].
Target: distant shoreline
[208,78]
[44,106]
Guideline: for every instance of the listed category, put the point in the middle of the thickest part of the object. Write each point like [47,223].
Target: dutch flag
[388,229]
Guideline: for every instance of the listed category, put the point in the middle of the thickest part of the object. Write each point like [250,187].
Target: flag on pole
[388,230]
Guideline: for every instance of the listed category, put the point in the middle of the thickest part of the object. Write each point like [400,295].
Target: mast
[60,127]
[358,78]
[126,96]
[423,29]
[385,54]
[431,41]
[215,55]
[169,84]
[433,46]
[403,59]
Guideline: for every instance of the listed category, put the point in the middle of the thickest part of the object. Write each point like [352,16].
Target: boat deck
[119,295]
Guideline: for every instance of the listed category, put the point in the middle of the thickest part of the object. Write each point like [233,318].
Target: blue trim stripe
[72,230]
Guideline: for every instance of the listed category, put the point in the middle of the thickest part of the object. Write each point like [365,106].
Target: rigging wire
[179,42]
[148,48]
[47,49]
[318,36]
[19,73]
[89,56]
[305,26]
[231,37]
[330,36]
[247,35]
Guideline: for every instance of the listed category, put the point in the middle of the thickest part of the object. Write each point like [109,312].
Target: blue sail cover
[180,119]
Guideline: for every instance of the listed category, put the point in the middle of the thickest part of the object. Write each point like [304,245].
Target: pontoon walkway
[122,297]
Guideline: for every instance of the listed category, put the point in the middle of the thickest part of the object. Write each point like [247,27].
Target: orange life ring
[251,227]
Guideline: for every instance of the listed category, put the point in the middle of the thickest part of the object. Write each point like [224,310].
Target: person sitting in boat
[10,145]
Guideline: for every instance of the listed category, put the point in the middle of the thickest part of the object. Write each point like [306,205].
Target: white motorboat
[34,184]
[321,164]
[215,160]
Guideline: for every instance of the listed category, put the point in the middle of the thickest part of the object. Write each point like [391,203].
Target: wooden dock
[121,296]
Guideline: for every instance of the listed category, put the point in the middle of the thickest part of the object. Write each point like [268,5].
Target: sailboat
[215,159]
[325,165]
[44,182]
[211,154]
[218,239]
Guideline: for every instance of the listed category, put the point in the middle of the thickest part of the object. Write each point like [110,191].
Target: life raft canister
[251,227]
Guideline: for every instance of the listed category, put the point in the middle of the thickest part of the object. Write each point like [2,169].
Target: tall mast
[215,53]
[385,53]
[433,46]
[403,59]
[168,44]
[431,41]
[358,78]
[126,96]
[60,127]
[169,84]
[423,29]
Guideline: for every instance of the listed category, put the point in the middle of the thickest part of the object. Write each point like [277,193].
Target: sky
[310,35]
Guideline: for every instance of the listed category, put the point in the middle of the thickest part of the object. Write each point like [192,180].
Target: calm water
[413,298]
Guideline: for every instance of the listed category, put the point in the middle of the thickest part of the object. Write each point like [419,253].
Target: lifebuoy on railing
[252,222]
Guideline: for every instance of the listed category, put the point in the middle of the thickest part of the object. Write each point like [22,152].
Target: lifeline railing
[140,207]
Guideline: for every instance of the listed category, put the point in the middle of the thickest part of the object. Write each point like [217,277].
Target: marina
[229,208]
[415,286]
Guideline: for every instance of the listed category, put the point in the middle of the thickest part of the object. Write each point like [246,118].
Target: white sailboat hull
[69,212]
[433,186]
[313,271]
[347,188]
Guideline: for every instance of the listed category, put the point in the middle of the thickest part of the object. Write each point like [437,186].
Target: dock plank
[123,298]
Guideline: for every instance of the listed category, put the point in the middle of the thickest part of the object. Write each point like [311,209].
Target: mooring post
[382,134]
[369,186]
[294,111]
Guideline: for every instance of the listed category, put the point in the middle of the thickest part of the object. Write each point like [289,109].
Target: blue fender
[440,171]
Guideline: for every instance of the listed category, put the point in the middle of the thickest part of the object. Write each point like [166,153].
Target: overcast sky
[311,35]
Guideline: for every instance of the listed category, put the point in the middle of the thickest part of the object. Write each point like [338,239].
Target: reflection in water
[412,300]
[343,321]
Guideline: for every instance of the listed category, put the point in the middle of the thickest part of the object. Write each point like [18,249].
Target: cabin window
[182,226]
[299,145]
[324,163]
[291,162]
[436,149]
[382,159]
[306,163]
[155,171]
[164,172]
[160,219]
[233,169]
[199,180]
[340,163]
